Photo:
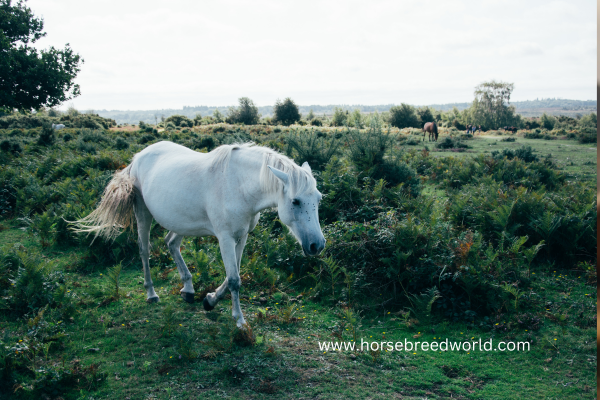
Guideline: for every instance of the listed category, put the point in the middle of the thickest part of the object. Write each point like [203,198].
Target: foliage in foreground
[467,255]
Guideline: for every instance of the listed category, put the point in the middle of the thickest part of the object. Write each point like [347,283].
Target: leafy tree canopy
[246,113]
[404,116]
[31,79]
[491,107]
[286,112]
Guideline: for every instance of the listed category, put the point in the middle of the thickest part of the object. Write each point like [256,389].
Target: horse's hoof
[188,297]
[151,300]
[207,305]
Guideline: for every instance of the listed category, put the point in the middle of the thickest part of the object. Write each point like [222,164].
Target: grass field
[577,160]
[120,347]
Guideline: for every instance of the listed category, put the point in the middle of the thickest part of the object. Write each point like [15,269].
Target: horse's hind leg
[173,241]
[144,223]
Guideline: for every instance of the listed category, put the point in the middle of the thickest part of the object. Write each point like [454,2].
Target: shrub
[86,147]
[146,139]
[451,143]
[311,146]
[524,153]
[367,153]
[547,121]
[316,122]
[34,282]
[286,112]
[404,116]
[11,145]
[121,144]
[204,141]
[95,136]
[588,135]
[47,136]
[246,113]
[180,120]
[340,117]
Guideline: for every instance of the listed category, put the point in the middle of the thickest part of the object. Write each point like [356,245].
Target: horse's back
[173,182]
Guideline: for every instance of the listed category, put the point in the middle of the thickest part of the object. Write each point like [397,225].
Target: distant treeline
[529,108]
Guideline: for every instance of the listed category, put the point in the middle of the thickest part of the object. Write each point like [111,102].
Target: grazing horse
[431,127]
[57,126]
[220,193]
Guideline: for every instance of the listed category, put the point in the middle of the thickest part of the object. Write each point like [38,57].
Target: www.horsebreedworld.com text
[412,346]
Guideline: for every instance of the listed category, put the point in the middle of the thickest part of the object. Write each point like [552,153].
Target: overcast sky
[167,54]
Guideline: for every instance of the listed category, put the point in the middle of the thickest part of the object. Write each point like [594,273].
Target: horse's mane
[300,180]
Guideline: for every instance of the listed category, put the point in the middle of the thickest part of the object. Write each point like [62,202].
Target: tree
[340,118]
[180,120]
[286,112]
[425,115]
[218,116]
[491,107]
[30,79]
[547,121]
[246,113]
[357,120]
[310,116]
[403,116]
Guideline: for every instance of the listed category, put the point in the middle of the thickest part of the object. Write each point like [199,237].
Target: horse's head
[299,210]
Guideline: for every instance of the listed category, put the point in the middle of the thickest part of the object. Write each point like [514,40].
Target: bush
[451,143]
[524,153]
[246,113]
[547,121]
[95,136]
[204,141]
[11,145]
[404,116]
[311,146]
[146,139]
[47,136]
[316,122]
[121,144]
[340,117]
[286,112]
[367,153]
[588,135]
[179,120]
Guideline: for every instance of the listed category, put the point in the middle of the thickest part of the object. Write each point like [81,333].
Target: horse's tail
[115,211]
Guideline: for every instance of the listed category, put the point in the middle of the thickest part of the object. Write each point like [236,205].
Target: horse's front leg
[230,249]
[173,241]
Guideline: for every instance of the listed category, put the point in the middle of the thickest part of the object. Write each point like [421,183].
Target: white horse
[57,126]
[220,193]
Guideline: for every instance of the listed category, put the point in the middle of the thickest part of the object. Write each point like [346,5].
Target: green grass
[142,360]
[137,346]
[577,160]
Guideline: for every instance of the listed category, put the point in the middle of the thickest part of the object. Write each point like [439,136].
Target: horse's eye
[296,202]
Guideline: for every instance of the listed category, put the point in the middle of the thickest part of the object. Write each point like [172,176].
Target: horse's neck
[251,184]
[266,200]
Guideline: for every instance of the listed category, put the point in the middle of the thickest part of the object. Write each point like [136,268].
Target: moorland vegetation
[436,238]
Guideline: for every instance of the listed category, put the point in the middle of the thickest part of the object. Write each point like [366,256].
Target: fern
[423,303]
[114,274]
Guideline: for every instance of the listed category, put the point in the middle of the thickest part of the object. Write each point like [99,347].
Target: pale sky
[166,54]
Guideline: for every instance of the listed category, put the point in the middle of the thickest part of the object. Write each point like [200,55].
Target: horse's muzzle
[314,248]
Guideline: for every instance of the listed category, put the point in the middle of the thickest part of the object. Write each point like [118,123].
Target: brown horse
[431,127]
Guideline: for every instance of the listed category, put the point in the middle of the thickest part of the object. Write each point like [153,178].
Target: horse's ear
[282,176]
[306,167]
